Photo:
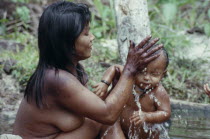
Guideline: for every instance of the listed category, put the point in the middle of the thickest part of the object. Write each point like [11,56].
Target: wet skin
[70,110]
[152,112]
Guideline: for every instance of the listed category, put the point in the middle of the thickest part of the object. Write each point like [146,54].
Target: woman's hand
[207,89]
[138,118]
[139,56]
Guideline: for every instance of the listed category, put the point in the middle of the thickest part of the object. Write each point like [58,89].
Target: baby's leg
[112,132]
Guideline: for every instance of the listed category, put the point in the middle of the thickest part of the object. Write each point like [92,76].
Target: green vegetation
[168,18]
[23,13]
[26,59]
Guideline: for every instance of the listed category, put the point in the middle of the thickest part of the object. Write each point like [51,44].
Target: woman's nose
[92,37]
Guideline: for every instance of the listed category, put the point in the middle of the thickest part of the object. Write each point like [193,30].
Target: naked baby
[148,106]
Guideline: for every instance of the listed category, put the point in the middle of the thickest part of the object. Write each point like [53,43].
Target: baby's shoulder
[161,91]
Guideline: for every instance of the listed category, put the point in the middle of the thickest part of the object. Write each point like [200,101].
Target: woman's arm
[75,97]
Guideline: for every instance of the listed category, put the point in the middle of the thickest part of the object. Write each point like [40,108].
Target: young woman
[57,103]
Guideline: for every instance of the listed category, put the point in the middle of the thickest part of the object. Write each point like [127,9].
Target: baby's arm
[108,77]
[162,114]
[207,89]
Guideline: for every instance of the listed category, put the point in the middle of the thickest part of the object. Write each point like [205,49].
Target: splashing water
[156,128]
[152,96]
[135,135]
[136,99]
[144,70]
[105,133]
[149,128]
[136,95]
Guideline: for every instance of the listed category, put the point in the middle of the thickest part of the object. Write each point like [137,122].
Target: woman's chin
[85,57]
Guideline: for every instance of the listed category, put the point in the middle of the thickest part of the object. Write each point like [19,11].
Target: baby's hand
[100,89]
[138,118]
[207,89]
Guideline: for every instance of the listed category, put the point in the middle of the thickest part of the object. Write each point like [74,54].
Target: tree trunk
[132,23]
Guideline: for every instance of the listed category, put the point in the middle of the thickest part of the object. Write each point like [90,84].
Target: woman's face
[84,43]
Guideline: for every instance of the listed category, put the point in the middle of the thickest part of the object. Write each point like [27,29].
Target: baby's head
[150,76]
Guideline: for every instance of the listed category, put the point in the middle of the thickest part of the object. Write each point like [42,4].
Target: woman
[57,103]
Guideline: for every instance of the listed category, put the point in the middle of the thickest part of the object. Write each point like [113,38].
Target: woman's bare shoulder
[56,79]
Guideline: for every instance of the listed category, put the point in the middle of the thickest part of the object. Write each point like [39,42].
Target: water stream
[148,128]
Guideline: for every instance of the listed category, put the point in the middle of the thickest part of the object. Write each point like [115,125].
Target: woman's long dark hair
[59,26]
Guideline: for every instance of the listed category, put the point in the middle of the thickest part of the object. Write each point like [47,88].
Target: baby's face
[150,76]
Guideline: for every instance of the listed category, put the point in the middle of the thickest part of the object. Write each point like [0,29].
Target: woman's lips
[91,47]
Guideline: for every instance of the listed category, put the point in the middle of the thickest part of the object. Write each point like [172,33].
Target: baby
[149,105]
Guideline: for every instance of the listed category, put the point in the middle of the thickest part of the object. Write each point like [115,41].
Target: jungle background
[183,26]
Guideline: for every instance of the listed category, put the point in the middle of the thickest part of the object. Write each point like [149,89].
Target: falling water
[105,133]
[151,128]
[136,99]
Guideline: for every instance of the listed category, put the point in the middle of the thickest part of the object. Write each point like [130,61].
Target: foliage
[185,14]
[26,59]
[2,26]
[23,13]
[169,19]
[185,77]
[20,1]
[105,26]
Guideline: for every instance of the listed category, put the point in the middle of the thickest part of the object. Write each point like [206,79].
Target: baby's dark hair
[165,53]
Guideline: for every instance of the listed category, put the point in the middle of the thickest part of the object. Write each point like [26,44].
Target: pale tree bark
[132,23]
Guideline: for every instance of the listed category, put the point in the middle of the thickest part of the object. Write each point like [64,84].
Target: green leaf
[209,13]
[23,13]
[207,29]
[169,11]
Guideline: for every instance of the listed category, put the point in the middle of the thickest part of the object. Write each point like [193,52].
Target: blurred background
[182,25]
